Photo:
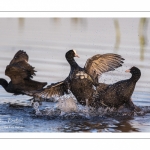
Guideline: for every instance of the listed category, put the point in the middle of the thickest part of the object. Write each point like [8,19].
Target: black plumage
[21,73]
[82,82]
[119,93]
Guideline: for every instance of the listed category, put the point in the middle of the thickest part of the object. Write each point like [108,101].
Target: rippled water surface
[46,41]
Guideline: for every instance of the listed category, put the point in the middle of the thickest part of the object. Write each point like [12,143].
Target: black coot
[82,82]
[21,74]
[119,93]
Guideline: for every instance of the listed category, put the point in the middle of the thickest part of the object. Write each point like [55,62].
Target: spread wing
[55,89]
[19,68]
[99,64]
[22,69]
[19,56]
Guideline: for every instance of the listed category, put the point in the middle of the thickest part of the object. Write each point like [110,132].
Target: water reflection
[21,23]
[46,41]
[125,126]
[118,34]
[56,21]
[75,20]
[142,36]
[82,126]
[102,125]
[78,21]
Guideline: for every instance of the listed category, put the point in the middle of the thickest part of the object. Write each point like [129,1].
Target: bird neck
[135,77]
[72,62]
[4,83]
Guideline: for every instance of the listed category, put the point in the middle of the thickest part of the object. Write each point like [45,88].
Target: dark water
[46,41]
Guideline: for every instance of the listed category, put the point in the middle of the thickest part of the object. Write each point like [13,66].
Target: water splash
[36,108]
[67,107]
[67,104]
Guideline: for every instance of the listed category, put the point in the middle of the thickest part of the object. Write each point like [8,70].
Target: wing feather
[56,89]
[19,56]
[99,64]
[19,67]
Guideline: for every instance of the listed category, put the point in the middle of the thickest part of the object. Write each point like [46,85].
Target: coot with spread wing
[82,82]
[21,73]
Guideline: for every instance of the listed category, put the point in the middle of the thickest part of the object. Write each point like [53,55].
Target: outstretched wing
[55,89]
[19,56]
[22,69]
[99,64]
[19,68]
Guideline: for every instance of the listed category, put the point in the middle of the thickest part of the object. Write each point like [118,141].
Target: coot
[119,93]
[82,82]
[21,74]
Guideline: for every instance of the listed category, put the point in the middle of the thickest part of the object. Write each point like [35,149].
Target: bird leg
[87,108]
[132,106]
[32,101]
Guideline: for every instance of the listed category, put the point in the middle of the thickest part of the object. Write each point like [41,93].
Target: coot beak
[76,55]
[127,70]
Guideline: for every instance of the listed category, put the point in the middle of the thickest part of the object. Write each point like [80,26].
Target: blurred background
[46,40]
